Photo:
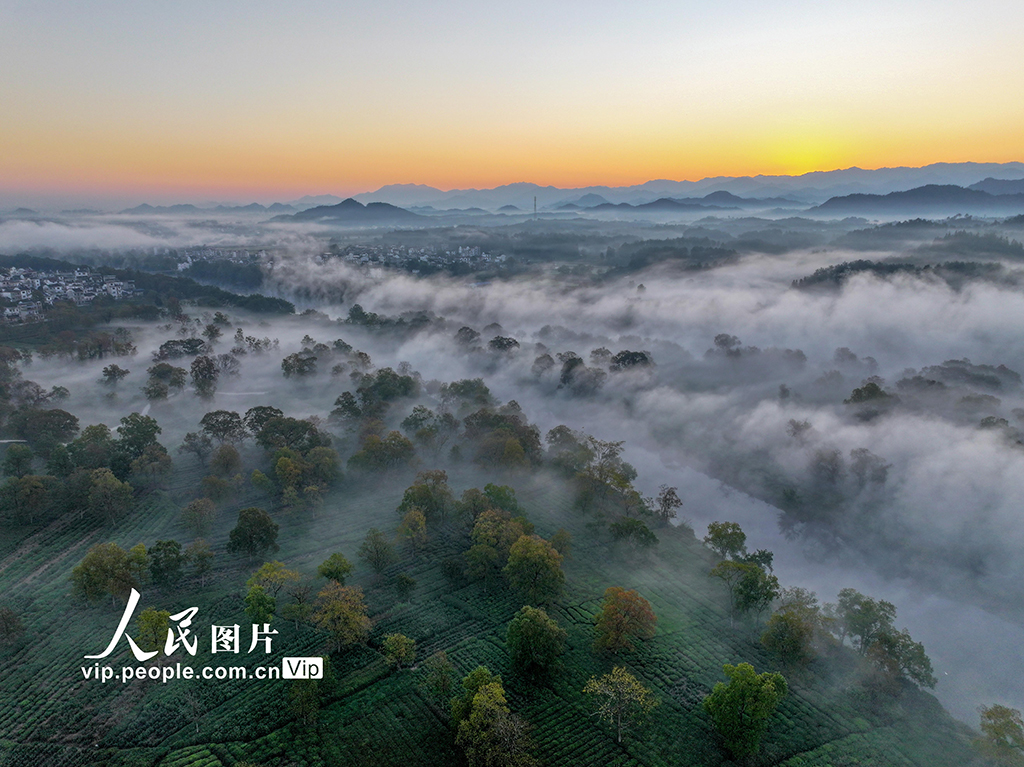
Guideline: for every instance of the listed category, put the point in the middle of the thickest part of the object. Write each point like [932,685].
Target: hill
[925,200]
[351,211]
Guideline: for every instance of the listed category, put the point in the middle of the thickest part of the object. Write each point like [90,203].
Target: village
[24,293]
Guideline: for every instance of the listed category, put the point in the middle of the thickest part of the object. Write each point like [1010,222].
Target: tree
[17,461]
[298,364]
[304,701]
[259,605]
[256,418]
[534,641]
[624,616]
[863,618]
[1002,732]
[667,504]
[199,445]
[336,568]
[151,465]
[223,426]
[112,374]
[204,376]
[105,569]
[740,709]
[726,539]
[731,573]
[897,656]
[153,625]
[226,461]
[430,494]
[534,569]
[341,612]
[198,515]
[376,550]
[791,630]
[136,433]
[414,529]
[561,542]
[380,454]
[301,436]
[200,556]
[399,649]
[490,734]
[43,429]
[634,532]
[165,563]
[109,498]
[273,576]
[438,681]
[255,533]
[620,698]
[756,590]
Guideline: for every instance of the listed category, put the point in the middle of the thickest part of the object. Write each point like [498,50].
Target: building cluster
[25,292]
[414,259]
[187,256]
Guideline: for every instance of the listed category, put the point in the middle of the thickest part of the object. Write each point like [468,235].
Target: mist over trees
[497,488]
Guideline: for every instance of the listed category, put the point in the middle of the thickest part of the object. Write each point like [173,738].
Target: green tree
[198,444]
[438,681]
[198,515]
[1002,731]
[634,532]
[726,539]
[105,569]
[255,534]
[165,562]
[109,498]
[756,590]
[741,709]
[153,625]
[273,576]
[897,656]
[534,641]
[341,612]
[491,735]
[430,494]
[796,626]
[112,374]
[624,616]
[864,619]
[226,461]
[534,569]
[413,529]
[223,426]
[204,376]
[399,649]
[17,461]
[620,698]
[200,556]
[336,568]
[376,550]
[485,727]
[304,700]
[259,605]
[136,433]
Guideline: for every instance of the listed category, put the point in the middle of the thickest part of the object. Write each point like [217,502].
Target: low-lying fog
[939,532]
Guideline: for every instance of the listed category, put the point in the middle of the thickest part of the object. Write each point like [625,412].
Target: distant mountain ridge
[805,189]
[352,211]
[929,199]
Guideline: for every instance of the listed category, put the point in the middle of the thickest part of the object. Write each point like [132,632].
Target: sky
[261,101]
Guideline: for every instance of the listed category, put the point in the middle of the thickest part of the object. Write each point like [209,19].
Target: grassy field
[373,715]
